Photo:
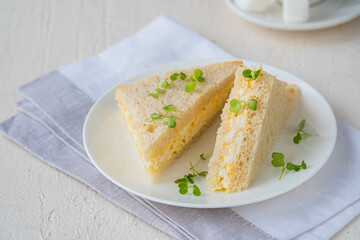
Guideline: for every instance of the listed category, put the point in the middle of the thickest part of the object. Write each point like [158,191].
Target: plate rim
[204,205]
[308,26]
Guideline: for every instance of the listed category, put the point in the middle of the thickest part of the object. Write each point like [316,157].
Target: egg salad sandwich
[257,108]
[165,113]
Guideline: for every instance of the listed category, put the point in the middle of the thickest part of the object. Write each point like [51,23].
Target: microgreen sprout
[248,73]
[158,90]
[184,188]
[170,121]
[202,158]
[170,108]
[203,173]
[194,79]
[189,87]
[174,76]
[278,161]
[165,83]
[252,104]
[300,133]
[236,105]
[182,76]
[155,116]
[154,95]
[188,182]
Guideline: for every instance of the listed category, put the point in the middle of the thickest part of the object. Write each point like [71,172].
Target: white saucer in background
[324,15]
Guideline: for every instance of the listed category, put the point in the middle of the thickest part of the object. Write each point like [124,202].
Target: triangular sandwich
[165,113]
[257,108]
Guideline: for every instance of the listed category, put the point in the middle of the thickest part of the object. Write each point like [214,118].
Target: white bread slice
[158,145]
[245,139]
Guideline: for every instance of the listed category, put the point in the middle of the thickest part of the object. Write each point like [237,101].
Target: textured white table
[38,201]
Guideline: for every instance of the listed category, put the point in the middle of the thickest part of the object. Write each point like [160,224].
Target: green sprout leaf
[278,159]
[197,73]
[297,138]
[296,168]
[247,73]
[185,183]
[195,78]
[174,76]
[182,185]
[182,76]
[160,90]
[171,122]
[180,180]
[189,179]
[301,125]
[201,79]
[252,104]
[154,95]
[300,133]
[256,74]
[155,116]
[303,165]
[235,105]
[203,173]
[290,166]
[183,188]
[189,87]
[165,83]
[170,108]
[157,90]
[196,190]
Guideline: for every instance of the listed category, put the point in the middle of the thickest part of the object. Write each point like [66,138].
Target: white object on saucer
[322,15]
[254,5]
[295,11]
[109,145]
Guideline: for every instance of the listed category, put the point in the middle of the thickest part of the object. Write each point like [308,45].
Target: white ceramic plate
[327,14]
[110,147]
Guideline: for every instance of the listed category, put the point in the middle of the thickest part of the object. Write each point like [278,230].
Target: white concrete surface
[40,202]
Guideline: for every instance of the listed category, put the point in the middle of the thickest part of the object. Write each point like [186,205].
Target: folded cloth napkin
[55,105]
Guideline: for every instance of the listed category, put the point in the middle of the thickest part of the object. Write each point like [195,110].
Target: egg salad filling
[233,137]
[159,158]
